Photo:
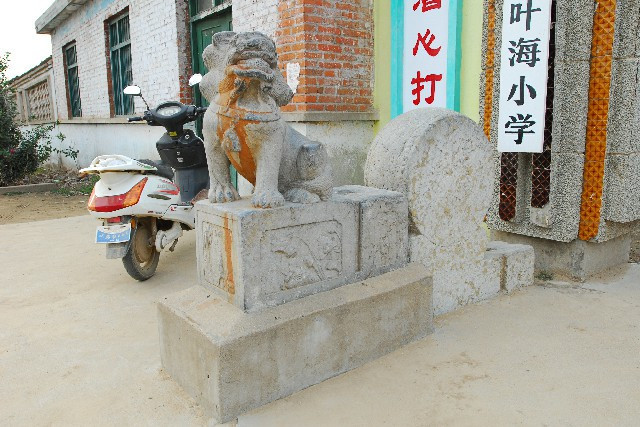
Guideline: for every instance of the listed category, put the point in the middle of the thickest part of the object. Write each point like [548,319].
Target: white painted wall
[134,140]
[347,143]
[255,15]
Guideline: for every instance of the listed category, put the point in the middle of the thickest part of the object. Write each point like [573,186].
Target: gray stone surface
[621,188]
[517,264]
[542,217]
[623,115]
[610,230]
[230,361]
[443,162]
[574,30]
[257,258]
[383,227]
[571,88]
[459,276]
[626,29]
[577,259]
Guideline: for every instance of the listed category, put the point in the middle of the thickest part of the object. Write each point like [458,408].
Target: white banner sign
[425,43]
[524,75]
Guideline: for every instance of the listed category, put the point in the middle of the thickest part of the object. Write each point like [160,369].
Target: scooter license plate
[117,233]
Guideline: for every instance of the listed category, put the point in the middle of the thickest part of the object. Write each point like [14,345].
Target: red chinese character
[427,44]
[418,82]
[427,5]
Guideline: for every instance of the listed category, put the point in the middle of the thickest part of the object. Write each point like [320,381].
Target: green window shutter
[120,55]
[73,82]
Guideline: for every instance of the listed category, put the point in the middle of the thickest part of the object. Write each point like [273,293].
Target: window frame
[71,112]
[120,104]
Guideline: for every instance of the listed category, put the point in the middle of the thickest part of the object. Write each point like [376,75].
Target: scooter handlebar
[135,119]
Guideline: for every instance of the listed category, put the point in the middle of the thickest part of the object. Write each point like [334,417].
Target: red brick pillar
[333,41]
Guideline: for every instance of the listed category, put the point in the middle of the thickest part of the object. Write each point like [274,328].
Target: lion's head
[233,59]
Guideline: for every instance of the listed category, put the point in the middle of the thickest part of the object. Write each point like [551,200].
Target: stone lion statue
[243,126]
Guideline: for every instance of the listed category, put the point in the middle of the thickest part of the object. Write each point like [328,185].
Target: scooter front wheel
[141,258]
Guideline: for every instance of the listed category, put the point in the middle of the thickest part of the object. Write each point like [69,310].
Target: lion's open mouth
[238,56]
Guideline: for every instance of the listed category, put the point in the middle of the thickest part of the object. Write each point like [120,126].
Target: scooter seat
[161,170]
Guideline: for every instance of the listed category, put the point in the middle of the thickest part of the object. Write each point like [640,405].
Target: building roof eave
[26,76]
[56,14]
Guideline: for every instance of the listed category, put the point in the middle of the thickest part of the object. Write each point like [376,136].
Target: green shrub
[21,153]
[9,132]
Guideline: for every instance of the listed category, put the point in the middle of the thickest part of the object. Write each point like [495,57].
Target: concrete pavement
[79,346]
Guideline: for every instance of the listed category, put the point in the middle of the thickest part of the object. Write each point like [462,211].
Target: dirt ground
[27,207]
[70,199]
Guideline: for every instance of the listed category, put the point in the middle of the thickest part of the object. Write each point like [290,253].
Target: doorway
[208,17]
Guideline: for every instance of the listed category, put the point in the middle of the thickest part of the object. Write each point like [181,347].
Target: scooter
[144,205]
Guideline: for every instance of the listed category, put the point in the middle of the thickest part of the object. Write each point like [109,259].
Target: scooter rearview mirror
[195,79]
[132,90]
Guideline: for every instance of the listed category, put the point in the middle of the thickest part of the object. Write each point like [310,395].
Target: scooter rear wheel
[141,258]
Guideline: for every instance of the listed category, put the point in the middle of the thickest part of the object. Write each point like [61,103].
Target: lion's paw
[223,193]
[298,195]
[267,199]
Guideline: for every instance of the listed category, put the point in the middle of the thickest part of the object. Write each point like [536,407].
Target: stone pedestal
[291,296]
[231,361]
[256,258]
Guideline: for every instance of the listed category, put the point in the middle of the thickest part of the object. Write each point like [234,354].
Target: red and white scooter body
[127,189]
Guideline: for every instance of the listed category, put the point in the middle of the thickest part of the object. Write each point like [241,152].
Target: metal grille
[541,161]
[508,181]
[509,161]
[599,100]
[121,74]
[73,81]
[39,102]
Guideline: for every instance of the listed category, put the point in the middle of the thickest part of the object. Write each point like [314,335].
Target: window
[202,5]
[73,83]
[120,60]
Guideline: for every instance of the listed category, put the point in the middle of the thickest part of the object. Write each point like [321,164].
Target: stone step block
[517,264]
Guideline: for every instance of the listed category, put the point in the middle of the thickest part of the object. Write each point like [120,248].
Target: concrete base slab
[577,259]
[231,361]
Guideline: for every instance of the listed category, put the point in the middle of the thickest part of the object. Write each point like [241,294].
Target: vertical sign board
[426,54]
[524,74]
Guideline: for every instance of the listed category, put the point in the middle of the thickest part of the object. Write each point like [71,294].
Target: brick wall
[155,59]
[333,41]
